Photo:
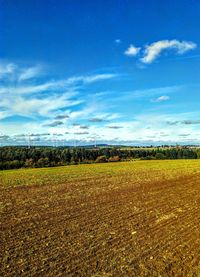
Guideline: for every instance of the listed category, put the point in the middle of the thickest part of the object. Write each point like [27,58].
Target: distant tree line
[18,157]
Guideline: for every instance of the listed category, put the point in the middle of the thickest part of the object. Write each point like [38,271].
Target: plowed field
[117,219]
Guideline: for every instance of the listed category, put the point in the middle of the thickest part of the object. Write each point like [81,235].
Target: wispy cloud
[37,98]
[161,99]
[132,51]
[59,85]
[6,69]
[29,73]
[153,50]
[32,106]
[91,78]
[71,106]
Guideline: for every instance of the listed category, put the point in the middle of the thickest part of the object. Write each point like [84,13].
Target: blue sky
[124,72]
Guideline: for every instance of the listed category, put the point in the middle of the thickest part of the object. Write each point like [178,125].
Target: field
[137,218]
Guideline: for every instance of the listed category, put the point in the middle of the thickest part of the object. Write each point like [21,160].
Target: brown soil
[129,223]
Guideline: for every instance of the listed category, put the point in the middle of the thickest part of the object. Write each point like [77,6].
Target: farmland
[137,218]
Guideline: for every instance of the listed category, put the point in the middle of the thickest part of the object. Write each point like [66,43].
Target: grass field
[117,219]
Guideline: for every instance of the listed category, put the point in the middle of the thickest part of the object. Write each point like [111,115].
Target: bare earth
[118,219]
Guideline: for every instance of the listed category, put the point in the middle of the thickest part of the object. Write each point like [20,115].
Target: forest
[14,157]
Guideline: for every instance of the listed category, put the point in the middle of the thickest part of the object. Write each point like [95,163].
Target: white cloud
[29,73]
[153,50]
[161,98]
[132,51]
[90,78]
[44,103]
[18,73]
[54,84]
[33,107]
[45,99]
[32,88]
[149,128]
[6,69]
